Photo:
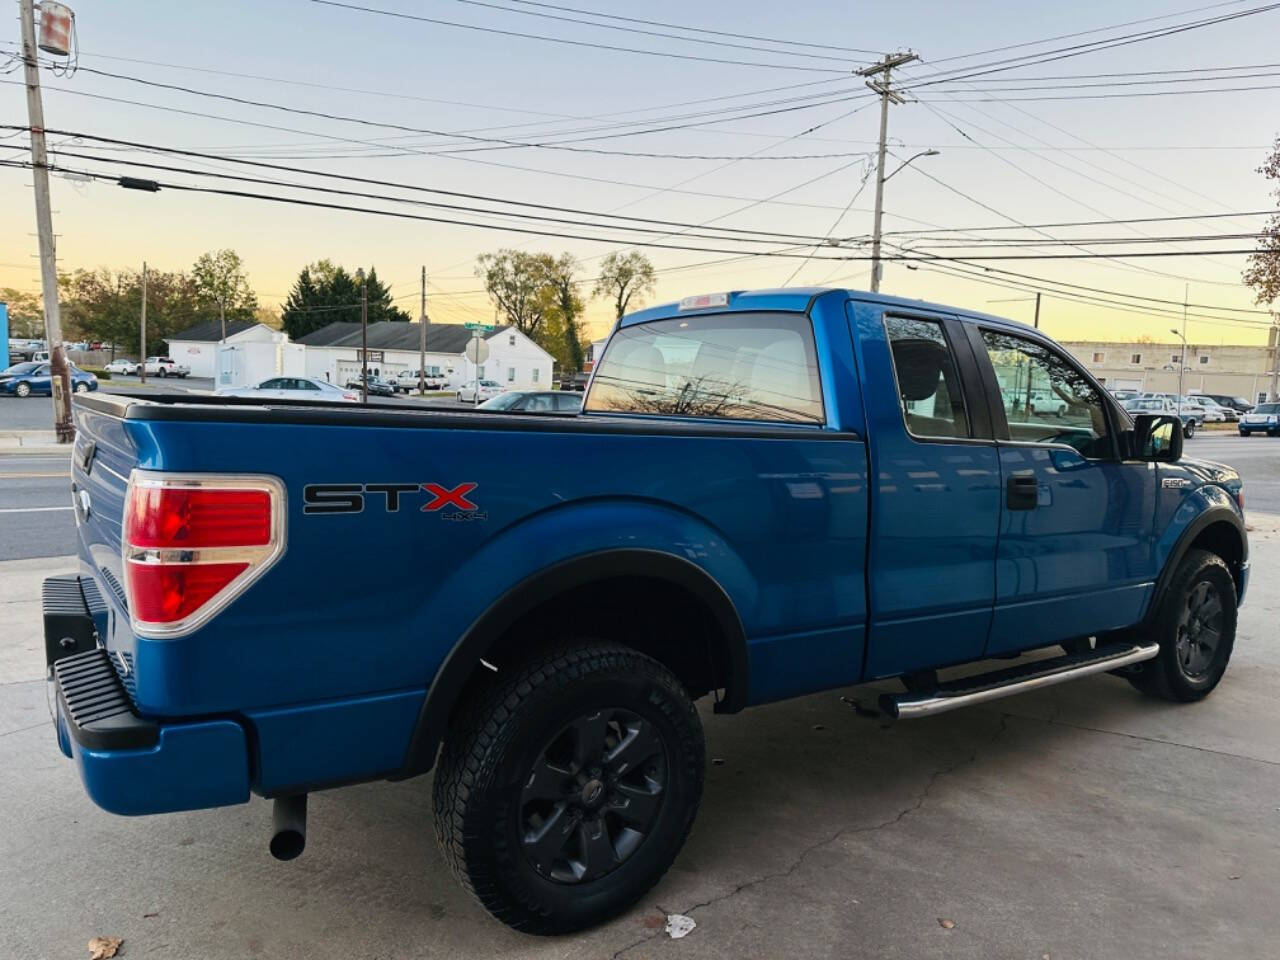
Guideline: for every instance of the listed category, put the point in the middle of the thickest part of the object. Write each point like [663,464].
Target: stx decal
[353,497]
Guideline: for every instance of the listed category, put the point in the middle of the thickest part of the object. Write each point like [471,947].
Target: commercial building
[197,346]
[1240,370]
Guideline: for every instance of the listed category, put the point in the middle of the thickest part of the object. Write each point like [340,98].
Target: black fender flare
[458,666]
[1215,514]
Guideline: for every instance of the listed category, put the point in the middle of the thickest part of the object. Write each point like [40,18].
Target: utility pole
[142,360]
[422,341]
[1275,361]
[364,337]
[882,86]
[64,429]
[222,315]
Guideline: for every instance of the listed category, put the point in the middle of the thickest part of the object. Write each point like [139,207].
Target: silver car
[295,388]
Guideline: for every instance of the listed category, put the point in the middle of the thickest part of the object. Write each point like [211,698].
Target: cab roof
[799,299]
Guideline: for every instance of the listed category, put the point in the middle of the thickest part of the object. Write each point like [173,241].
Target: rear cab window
[733,366]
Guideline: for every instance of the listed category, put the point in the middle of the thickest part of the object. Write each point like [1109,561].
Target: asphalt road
[36,519]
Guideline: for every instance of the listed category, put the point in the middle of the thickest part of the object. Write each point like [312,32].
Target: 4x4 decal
[352,498]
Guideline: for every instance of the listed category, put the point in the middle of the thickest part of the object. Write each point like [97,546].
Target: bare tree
[625,277]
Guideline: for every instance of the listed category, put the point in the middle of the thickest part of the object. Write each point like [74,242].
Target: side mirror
[1157,437]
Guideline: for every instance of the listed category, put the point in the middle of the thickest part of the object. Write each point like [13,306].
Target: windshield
[1144,405]
[1267,408]
[20,368]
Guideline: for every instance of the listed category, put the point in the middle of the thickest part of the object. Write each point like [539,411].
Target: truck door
[935,492]
[1076,550]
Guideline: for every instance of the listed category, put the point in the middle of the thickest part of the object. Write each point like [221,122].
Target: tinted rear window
[735,366]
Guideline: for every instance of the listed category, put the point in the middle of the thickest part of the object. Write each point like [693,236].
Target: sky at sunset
[1053,142]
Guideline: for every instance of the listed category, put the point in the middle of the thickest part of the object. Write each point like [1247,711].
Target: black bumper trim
[96,707]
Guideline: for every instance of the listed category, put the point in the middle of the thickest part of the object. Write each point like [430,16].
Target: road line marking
[32,509]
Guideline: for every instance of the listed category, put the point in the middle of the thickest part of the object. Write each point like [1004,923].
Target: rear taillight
[194,542]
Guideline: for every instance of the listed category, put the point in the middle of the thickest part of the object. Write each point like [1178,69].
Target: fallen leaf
[946,924]
[678,925]
[104,948]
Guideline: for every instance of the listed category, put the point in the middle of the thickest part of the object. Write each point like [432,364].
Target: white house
[197,346]
[514,360]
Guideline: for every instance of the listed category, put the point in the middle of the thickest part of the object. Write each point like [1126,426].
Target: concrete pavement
[1083,821]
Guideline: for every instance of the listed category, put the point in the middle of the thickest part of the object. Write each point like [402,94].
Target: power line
[573,43]
[1082,223]
[648,33]
[1076,50]
[1107,96]
[371,181]
[154,186]
[504,142]
[716,33]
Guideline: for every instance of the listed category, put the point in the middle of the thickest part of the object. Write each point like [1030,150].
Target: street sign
[481,326]
[477,351]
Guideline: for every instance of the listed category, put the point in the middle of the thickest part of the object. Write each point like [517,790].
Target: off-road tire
[488,759]
[1166,676]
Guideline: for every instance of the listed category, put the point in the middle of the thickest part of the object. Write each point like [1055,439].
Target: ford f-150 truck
[766,495]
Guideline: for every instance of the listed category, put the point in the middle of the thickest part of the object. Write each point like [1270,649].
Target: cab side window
[1047,399]
[928,382]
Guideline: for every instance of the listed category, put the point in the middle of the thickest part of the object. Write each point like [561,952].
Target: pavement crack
[34,726]
[897,818]
[1054,721]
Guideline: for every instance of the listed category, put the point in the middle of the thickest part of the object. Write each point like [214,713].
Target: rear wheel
[23,389]
[161,373]
[1189,430]
[1196,629]
[82,388]
[563,796]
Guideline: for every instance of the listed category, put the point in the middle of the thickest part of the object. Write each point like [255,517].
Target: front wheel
[23,389]
[564,795]
[82,388]
[1196,629]
[1189,430]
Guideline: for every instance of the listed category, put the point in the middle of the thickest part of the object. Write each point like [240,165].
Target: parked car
[535,401]
[165,367]
[1265,418]
[378,387]
[577,381]
[36,379]
[1047,402]
[488,388]
[1122,395]
[767,495]
[1214,412]
[295,388]
[407,380]
[1238,404]
[1192,416]
[122,366]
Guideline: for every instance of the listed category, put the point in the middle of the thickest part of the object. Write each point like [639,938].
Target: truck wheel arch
[1218,530]
[728,649]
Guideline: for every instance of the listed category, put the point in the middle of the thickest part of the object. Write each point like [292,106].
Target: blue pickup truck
[766,495]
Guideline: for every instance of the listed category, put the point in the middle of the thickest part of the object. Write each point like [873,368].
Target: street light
[364,336]
[1182,366]
[876,265]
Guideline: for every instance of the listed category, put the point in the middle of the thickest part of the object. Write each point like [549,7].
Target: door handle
[1022,492]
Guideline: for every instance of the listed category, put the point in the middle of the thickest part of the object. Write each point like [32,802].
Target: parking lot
[1081,821]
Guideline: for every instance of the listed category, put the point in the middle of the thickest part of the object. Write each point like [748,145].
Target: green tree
[624,278]
[26,313]
[107,305]
[1263,271]
[517,283]
[326,292]
[381,306]
[566,309]
[222,286]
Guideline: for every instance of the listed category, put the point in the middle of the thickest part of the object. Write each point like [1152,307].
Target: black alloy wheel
[1200,629]
[593,795]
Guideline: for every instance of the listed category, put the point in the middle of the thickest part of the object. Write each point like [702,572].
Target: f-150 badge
[1175,483]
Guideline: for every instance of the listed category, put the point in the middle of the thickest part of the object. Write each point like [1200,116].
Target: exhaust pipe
[288,826]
